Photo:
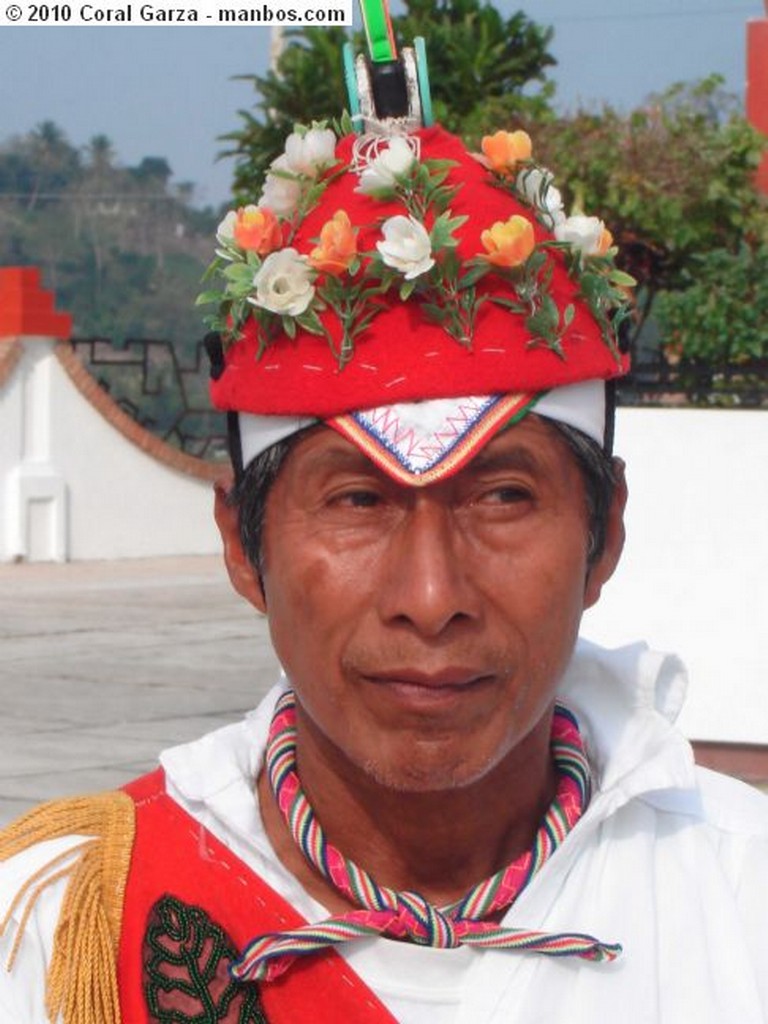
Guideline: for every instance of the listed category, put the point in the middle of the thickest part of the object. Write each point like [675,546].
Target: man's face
[425,630]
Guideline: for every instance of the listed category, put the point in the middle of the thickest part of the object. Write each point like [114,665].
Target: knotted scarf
[407,915]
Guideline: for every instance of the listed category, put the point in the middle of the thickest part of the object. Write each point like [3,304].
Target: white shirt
[670,860]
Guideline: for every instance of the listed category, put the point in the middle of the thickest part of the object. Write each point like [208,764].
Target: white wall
[72,487]
[694,577]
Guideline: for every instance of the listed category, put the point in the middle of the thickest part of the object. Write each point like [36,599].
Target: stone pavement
[103,664]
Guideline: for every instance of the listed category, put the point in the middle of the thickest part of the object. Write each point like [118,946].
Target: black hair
[251,491]
[598,471]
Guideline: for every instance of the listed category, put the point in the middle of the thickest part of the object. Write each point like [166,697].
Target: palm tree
[100,154]
[480,63]
[56,162]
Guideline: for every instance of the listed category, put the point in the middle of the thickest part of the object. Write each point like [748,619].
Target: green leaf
[473,275]
[310,321]
[213,268]
[549,306]
[382,195]
[345,124]
[619,277]
[362,322]
[515,307]
[439,166]
[436,312]
[535,261]
[442,231]
[289,326]
[406,289]
[435,182]
[287,175]
[238,273]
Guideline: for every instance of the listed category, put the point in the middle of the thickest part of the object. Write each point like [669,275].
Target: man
[447,811]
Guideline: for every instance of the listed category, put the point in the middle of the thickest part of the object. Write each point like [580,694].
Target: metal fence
[654,380]
[162,389]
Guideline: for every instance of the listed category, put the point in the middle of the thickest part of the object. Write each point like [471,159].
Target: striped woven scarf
[407,915]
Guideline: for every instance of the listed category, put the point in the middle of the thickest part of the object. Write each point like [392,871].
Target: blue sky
[171,91]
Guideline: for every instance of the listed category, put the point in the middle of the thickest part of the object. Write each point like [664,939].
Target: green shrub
[722,316]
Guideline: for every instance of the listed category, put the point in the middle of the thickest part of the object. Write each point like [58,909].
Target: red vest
[180,869]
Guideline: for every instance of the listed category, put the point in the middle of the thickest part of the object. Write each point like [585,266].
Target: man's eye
[508,495]
[360,499]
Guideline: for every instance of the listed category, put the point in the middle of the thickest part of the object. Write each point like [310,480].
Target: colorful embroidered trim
[407,915]
[418,454]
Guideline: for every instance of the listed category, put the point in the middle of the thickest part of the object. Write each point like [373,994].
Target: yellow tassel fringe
[82,977]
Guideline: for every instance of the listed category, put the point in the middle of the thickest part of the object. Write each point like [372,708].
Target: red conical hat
[469,280]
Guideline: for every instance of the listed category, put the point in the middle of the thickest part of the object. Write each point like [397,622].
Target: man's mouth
[453,676]
[430,687]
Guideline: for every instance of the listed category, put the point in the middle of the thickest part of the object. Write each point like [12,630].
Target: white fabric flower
[537,188]
[406,246]
[225,236]
[281,194]
[311,152]
[305,156]
[396,159]
[582,232]
[284,283]
[225,232]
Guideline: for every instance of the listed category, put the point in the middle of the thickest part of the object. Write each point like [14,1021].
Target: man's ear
[602,570]
[242,574]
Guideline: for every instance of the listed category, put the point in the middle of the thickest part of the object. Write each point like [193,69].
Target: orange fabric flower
[509,243]
[505,150]
[257,229]
[605,242]
[338,245]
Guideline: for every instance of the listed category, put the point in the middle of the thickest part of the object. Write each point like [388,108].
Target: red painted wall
[26,308]
[757,86]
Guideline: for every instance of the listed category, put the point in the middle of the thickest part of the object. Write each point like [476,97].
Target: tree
[154,170]
[120,246]
[55,159]
[38,164]
[482,67]
[674,180]
[100,155]
[480,63]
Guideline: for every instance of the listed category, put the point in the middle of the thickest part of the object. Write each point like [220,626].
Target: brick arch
[144,439]
[10,353]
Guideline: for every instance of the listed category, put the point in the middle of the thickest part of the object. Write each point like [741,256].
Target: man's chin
[421,775]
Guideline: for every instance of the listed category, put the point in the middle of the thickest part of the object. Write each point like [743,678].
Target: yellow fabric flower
[505,150]
[509,243]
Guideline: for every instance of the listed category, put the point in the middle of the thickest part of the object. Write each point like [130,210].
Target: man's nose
[428,579]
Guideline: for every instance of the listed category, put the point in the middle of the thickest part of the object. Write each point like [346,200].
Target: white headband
[578,405]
